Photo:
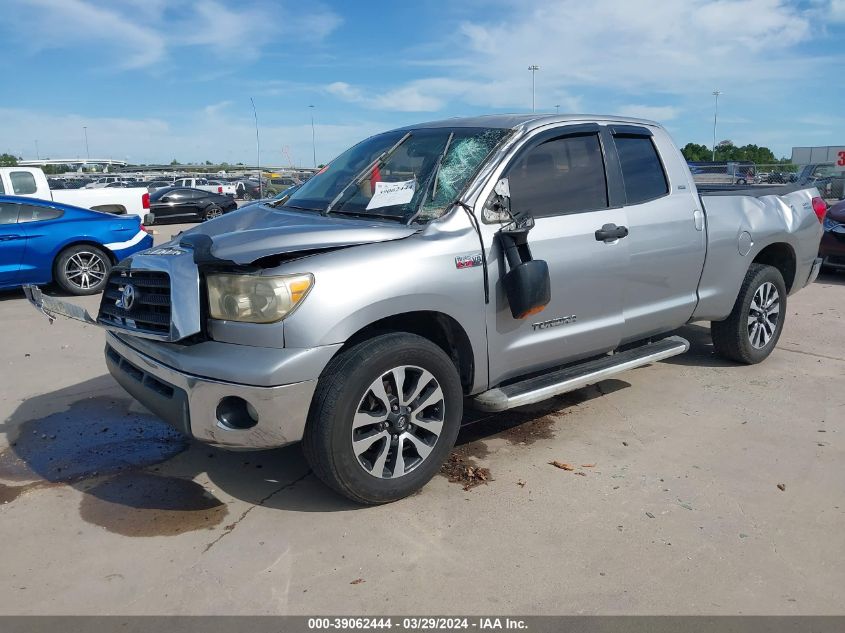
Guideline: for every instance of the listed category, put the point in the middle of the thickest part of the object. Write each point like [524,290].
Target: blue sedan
[43,241]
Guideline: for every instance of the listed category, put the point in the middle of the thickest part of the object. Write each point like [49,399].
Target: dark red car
[832,247]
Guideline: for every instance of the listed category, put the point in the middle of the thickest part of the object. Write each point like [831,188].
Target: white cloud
[676,50]
[142,33]
[65,24]
[657,113]
[835,10]
[215,109]
[213,133]
[412,97]
[672,47]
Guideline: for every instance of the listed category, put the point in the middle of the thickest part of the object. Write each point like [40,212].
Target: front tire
[753,328]
[82,269]
[384,417]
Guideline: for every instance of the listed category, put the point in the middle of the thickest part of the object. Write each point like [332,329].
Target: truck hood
[261,231]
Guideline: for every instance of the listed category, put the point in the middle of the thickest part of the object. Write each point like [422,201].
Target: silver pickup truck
[494,261]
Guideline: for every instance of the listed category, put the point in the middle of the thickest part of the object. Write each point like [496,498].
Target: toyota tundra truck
[494,261]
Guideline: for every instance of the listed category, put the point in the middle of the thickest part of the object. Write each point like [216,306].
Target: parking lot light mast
[716,94]
[533,68]
[313,137]
[257,148]
[557,109]
[85,131]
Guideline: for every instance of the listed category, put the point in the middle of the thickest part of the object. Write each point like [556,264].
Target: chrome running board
[545,386]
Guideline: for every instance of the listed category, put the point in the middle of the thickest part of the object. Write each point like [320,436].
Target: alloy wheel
[85,270]
[763,315]
[398,422]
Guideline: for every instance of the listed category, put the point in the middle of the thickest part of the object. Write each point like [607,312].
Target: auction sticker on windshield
[388,194]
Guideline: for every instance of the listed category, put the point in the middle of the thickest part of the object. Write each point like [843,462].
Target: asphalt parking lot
[697,486]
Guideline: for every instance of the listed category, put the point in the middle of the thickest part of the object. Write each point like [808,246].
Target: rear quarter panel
[768,220]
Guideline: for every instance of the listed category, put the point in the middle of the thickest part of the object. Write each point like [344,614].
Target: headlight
[255,299]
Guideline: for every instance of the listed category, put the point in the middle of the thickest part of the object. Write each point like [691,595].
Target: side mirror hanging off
[527,283]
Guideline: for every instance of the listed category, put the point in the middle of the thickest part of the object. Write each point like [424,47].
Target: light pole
[716,94]
[257,149]
[313,137]
[37,153]
[533,68]
[85,131]
[557,109]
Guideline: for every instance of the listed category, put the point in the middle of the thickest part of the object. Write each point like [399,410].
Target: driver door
[559,176]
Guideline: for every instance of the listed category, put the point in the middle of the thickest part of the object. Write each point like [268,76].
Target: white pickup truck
[30,182]
[224,189]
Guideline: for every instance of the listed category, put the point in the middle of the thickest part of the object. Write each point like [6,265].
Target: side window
[33,213]
[559,176]
[2,188]
[642,170]
[23,183]
[8,213]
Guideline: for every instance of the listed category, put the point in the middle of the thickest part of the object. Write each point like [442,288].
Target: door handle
[611,232]
[698,218]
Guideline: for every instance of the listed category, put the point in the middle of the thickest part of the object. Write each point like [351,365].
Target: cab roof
[525,121]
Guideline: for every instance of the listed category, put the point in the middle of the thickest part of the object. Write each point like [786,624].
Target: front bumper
[194,405]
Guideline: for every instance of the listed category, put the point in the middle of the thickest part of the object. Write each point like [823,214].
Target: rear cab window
[642,170]
[23,183]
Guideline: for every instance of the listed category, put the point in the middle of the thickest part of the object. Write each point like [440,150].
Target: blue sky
[155,80]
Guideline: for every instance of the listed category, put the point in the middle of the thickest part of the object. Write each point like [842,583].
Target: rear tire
[82,269]
[753,328]
[374,443]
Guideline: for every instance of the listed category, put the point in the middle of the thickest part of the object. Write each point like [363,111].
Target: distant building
[817,155]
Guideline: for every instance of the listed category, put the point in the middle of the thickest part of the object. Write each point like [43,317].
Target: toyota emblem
[127,297]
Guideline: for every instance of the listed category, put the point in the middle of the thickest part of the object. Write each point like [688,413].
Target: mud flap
[52,308]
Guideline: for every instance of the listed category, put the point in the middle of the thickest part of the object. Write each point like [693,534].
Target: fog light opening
[236,413]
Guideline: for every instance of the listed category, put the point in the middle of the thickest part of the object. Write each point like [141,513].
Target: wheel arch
[779,255]
[438,327]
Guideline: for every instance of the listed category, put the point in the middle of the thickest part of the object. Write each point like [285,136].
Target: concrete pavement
[673,506]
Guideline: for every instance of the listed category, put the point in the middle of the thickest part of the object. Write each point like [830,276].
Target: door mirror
[528,288]
[527,284]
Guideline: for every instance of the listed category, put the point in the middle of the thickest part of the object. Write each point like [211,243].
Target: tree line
[727,151]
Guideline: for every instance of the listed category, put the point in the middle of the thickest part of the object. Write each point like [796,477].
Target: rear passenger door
[559,177]
[666,241]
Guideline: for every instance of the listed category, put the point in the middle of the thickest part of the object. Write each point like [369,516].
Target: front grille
[149,310]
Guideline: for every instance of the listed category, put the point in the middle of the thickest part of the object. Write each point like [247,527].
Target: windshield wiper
[432,180]
[293,206]
[382,158]
[367,214]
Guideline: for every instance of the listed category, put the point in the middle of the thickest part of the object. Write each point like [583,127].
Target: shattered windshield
[410,175]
